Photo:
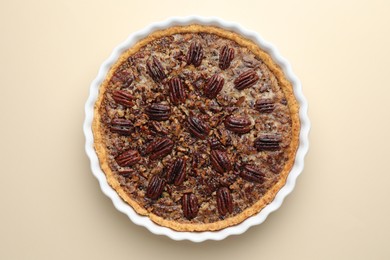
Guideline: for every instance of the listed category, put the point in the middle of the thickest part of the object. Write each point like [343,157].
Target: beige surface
[52,206]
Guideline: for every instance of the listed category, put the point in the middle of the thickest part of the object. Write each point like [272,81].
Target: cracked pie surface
[196,127]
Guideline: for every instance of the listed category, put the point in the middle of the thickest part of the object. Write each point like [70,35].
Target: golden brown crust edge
[285,86]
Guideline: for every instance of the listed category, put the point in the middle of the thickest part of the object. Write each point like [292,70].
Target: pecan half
[128,158]
[123,76]
[220,161]
[159,148]
[198,127]
[268,142]
[215,144]
[265,105]
[195,54]
[189,204]
[123,97]
[252,173]
[226,55]
[121,126]
[246,80]
[155,70]
[213,86]
[158,112]
[177,172]
[176,91]
[238,124]
[155,187]
[224,201]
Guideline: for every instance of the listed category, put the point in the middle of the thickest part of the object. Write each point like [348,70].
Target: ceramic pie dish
[196,128]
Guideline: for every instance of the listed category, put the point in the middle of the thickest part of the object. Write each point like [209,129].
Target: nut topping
[238,124]
[128,158]
[155,187]
[246,80]
[268,142]
[215,144]
[224,201]
[158,112]
[252,173]
[159,148]
[198,127]
[121,126]
[123,76]
[220,161]
[155,70]
[265,105]
[177,172]
[213,86]
[226,55]
[123,97]
[189,204]
[176,91]
[195,54]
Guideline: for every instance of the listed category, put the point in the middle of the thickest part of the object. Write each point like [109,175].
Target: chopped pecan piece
[198,127]
[189,204]
[226,55]
[157,127]
[265,105]
[238,124]
[155,70]
[246,80]
[121,126]
[268,142]
[123,97]
[252,173]
[195,54]
[177,172]
[128,158]
[220,161]
[213,86]
[159,148]
[155,187]
[176,91]
[224,201]
[158,112]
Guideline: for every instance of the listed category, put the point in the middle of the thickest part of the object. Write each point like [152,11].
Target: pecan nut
[189,204]
[246,80]
[123,97]
[124,77]
[155,70]
[215,144]
[159,148]
[121,126]
[220,161]
[213,86]
[155,187]
[252,173]
[238,124]
[176,91]
[128,158]
[177,172]
[226,55]
[198,127]
[158,112]
[265,105]
[224,201]
[268,142]
[195,54]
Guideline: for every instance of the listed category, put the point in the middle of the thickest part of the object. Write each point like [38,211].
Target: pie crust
[289,151]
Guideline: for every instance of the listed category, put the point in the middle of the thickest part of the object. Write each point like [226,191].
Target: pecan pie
[196,127]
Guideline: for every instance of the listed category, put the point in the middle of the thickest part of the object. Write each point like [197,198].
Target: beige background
[52,206]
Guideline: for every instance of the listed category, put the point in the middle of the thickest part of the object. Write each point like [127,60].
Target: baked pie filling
[196,127]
